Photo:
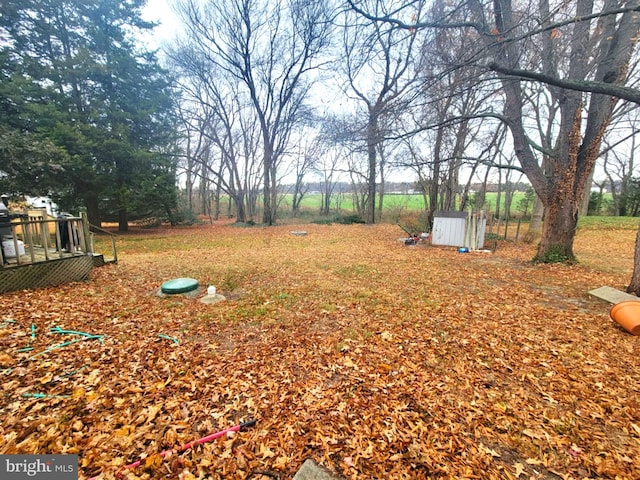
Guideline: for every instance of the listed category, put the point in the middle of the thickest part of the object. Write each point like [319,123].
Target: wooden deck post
[86,234]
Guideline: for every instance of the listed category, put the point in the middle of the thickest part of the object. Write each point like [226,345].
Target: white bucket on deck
[9,248]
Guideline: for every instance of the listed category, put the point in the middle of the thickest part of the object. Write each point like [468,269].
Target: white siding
[449,231]
[459,231]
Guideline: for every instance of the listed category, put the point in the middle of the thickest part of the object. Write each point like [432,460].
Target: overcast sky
[160,11]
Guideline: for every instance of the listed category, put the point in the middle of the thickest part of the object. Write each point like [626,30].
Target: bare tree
[619,173]
[584,50]
[330,164]
[327,170]
[489,146]
[451,107]
[225,129]
[306,157]
[381,67]
[542,111]
[619,161]
[269,48]
[193,144]
[601,49]
[356,171]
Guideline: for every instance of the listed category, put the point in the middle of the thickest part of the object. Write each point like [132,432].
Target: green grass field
[409,209]
[398,202]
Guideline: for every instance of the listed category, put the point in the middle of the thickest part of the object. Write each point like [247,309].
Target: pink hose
[208,438]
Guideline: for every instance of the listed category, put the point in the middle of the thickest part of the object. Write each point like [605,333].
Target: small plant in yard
[556,254]
[349,219]
[231,280]
[493,236]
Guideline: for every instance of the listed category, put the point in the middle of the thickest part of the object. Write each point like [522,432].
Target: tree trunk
[434,189]
[189,181]
[189,188]
[584,208]
[381,192]
[634,286]
[93,211]
[371,178]
[464,197]
[274,192]
[453,186]
[326,200]
[202,192]
[123,220]
[481,196]
[214,214]
[299,192]
[241,211]
[267,194]
[559,229]
[498,195]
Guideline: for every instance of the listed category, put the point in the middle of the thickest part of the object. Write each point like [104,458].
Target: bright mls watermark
[43,467]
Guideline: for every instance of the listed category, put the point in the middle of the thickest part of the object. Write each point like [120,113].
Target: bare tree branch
[620,91]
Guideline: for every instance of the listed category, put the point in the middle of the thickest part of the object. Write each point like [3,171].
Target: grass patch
[608,223]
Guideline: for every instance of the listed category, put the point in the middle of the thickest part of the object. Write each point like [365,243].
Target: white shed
[459,229]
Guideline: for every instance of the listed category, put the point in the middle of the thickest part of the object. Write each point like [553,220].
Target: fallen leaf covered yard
[374,359]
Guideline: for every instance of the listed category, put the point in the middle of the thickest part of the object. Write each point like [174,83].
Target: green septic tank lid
[179,285]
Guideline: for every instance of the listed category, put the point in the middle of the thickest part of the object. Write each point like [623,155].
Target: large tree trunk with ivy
[558,232]
[563,197]
[606,42]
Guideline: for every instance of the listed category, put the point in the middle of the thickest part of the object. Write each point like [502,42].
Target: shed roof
[450,214]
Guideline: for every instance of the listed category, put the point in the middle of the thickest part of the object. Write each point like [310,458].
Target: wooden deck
[45,274]
[39,251]
[37,254]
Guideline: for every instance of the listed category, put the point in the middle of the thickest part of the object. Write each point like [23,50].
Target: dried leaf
[519,468]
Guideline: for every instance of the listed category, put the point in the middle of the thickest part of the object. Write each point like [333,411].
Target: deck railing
[93,229]
[33,239]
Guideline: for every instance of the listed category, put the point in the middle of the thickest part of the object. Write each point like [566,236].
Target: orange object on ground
[627,315]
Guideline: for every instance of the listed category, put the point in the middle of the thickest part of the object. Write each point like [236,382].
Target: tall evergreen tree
[78,82]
